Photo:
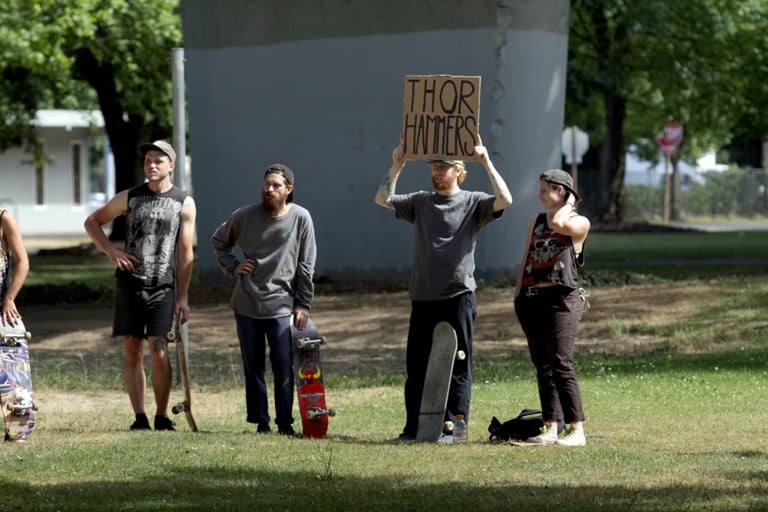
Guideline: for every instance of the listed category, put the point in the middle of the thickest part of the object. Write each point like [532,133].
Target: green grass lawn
[694,246]
[664,433]
[677,425]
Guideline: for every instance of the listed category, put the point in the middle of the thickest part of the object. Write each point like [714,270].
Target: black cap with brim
[562,178]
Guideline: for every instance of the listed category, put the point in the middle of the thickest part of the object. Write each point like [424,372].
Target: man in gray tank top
[446,223]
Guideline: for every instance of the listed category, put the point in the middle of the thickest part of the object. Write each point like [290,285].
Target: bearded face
[444,177]
[275,193]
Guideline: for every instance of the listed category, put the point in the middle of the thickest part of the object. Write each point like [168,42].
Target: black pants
[550,320]
[460,312]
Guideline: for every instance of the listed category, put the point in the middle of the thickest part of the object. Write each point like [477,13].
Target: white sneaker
[548,435]
[573,436]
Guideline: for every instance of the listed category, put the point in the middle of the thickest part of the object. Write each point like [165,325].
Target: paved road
[727,226]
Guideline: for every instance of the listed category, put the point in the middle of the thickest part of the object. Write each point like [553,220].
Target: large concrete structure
[318,85]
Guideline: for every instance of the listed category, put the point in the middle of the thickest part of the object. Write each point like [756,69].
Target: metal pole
[666,189]
[179,119]
[574,166]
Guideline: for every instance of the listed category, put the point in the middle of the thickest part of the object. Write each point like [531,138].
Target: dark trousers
[460,312]
[550,321]
[252,333]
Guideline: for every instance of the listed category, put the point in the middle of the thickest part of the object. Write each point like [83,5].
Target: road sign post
[575,144]
[669,139]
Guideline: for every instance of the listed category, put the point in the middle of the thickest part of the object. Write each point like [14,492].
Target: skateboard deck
[16,383]
[437,381]
[308,374]
[179,335]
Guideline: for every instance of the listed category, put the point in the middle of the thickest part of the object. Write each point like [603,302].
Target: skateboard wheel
[170,336]
[461,355]
[179,407]
[331,412]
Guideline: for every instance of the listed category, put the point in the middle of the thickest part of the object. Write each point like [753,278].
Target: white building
[641,172]
[55,198]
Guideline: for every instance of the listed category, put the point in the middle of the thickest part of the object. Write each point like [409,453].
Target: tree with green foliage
[50,50]
[632,65]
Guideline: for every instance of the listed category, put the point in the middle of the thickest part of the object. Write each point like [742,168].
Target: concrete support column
[528,107]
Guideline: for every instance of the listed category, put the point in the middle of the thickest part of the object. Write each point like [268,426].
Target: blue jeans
[252,333]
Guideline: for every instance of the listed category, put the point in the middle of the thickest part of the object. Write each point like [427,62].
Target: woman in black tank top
[549,305]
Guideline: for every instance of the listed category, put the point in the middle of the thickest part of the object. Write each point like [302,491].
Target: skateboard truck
[310,342]
[179,407]
[314,413]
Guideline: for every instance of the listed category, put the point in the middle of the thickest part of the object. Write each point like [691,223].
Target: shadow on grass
[215,486]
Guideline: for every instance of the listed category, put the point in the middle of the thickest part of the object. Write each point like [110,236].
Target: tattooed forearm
[387,187]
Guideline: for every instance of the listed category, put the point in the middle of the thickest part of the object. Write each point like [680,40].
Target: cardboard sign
[441,117]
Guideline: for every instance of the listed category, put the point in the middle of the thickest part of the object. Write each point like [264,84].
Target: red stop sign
[670,138]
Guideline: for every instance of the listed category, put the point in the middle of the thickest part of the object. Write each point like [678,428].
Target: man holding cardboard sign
[446,222]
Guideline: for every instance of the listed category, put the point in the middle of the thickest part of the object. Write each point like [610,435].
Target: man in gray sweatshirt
[273,281]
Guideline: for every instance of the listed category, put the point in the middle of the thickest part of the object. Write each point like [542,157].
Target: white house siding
[57,215]
[319,86]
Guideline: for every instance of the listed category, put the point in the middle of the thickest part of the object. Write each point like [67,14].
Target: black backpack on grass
[527,424]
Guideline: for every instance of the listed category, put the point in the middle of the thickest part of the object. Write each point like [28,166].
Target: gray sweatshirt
[284,253]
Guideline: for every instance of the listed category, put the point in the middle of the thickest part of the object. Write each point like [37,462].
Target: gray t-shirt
[445,231]
[284,253]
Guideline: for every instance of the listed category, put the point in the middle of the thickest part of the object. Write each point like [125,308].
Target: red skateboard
[309,381]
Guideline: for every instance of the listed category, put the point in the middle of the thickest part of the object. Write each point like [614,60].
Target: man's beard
[439,184]
[272,204]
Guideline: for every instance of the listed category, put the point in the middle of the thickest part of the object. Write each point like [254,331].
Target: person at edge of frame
[12,277]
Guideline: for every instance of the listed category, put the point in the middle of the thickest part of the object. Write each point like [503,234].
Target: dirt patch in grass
[367,331]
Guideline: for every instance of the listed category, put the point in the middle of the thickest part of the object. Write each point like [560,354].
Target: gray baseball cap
[161,146]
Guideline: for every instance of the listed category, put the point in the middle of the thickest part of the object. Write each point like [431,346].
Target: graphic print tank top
[551,257]
[153,221]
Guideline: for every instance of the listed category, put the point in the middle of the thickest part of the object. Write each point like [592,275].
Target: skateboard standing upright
[308,374]
[179,334]
[16,383]
[437,382]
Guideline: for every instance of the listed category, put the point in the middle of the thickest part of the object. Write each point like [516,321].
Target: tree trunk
[125,132]
[675,208]
[613,160]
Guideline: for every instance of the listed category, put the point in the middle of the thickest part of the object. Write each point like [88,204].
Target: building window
[39,184]
[77,173]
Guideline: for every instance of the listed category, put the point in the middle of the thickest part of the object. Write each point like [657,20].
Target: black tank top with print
[551,257]
[153,221]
